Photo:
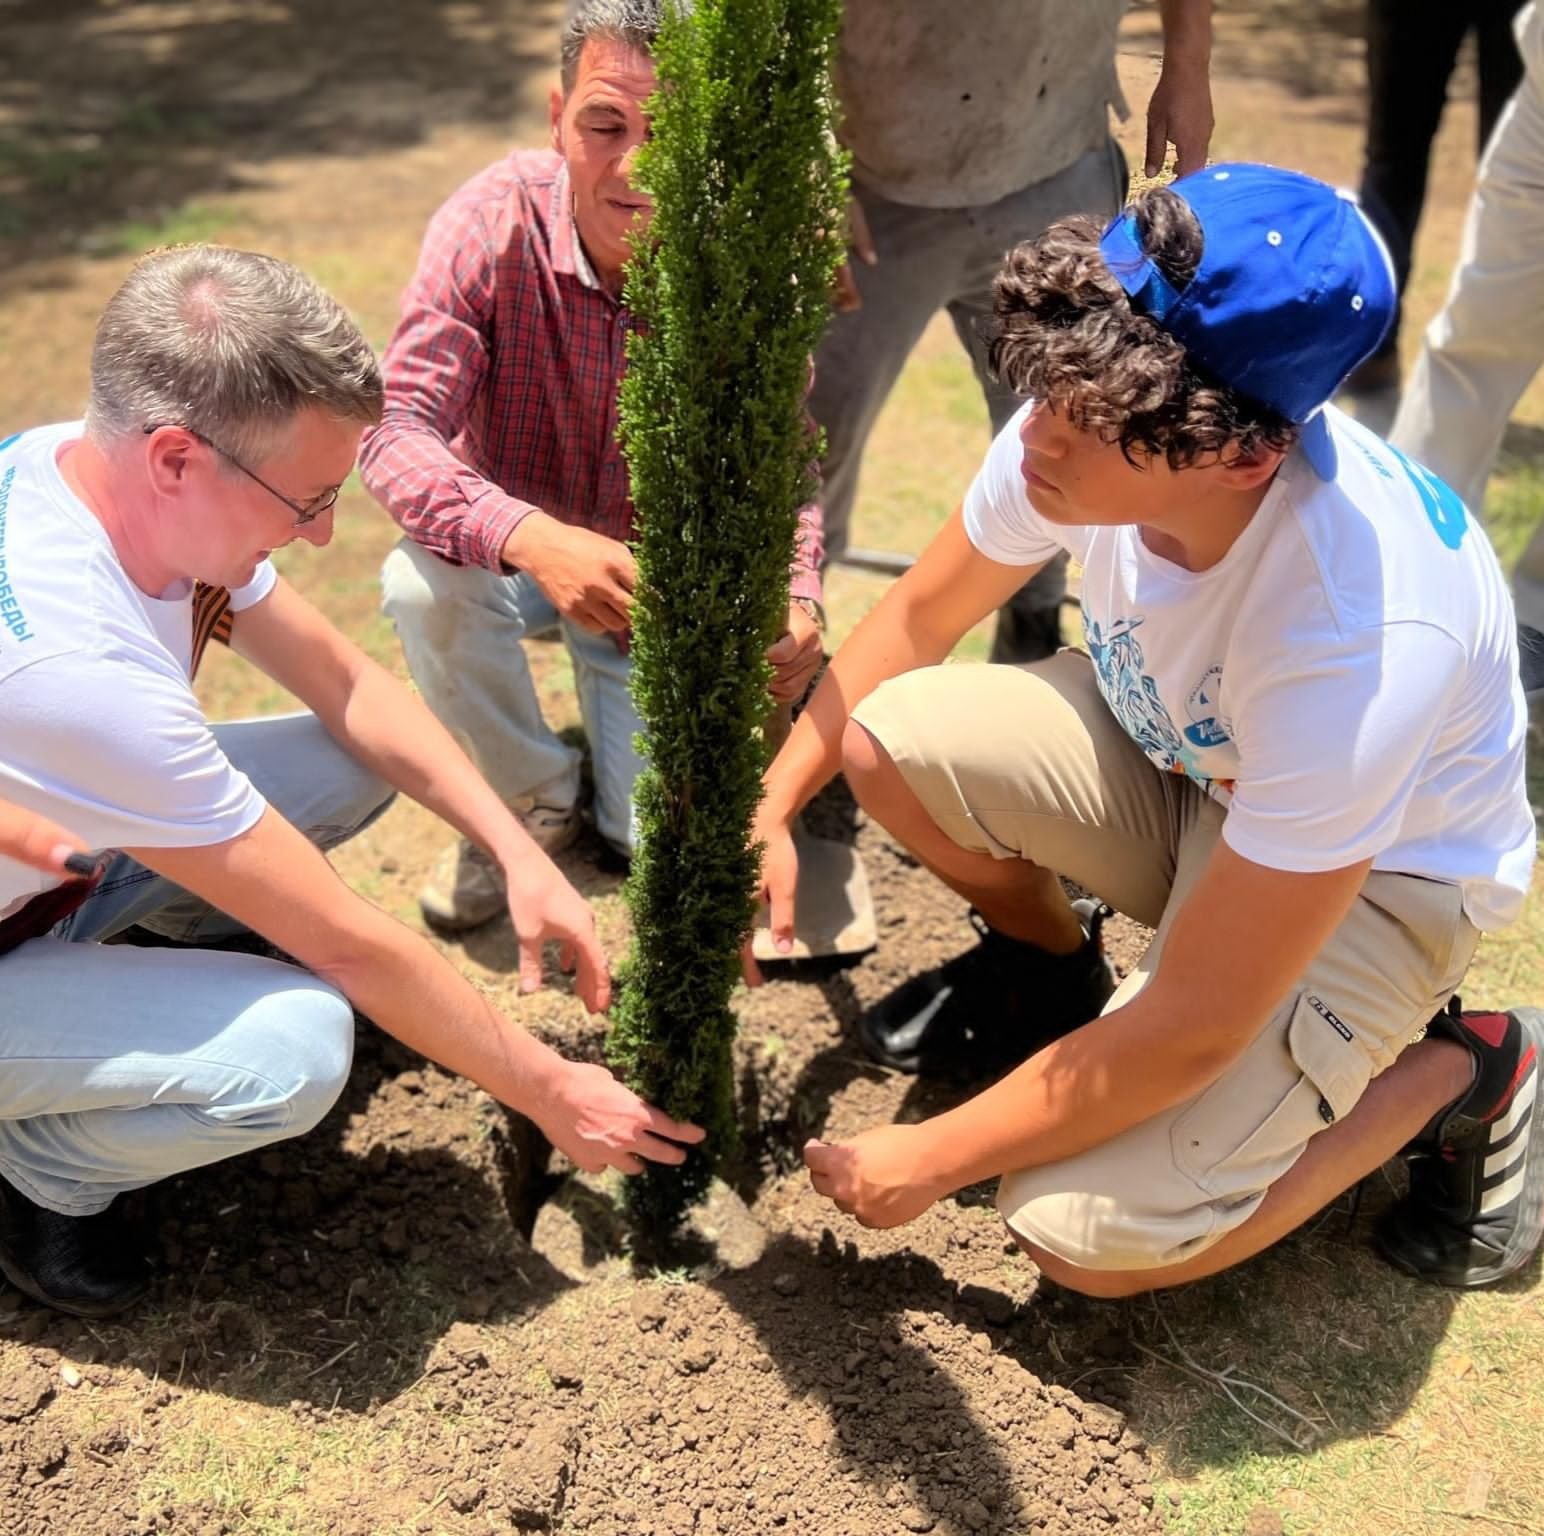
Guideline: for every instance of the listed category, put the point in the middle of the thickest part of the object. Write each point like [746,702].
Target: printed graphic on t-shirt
[12,614]
[1134,700]
[1207,727]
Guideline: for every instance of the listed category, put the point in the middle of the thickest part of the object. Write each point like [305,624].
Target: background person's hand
[779,883]
[41,843]
[588,577]
[880,1177]
[543,906]
[845,296]
[598,1122]
[1180,113]
[795,655]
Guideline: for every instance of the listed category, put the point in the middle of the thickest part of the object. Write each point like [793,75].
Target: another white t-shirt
[1344,680]
[99,728]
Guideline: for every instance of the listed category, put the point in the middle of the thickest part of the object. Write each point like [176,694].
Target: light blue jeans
[462,630]
[121,1066]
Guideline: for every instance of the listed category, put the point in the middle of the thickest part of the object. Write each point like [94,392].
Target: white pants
[1484,347]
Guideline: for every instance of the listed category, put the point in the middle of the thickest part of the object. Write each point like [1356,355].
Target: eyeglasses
[305,511]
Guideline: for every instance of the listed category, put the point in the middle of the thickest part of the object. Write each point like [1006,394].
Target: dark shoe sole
[1529,1232]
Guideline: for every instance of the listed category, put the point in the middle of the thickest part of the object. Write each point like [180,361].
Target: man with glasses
[228,395]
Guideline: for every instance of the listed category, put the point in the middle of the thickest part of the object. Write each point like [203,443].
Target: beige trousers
[1030,764]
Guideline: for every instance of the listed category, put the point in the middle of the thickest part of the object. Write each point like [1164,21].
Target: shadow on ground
[313,1273]
[115,113]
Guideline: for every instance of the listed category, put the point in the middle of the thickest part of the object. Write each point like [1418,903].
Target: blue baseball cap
[1294,289]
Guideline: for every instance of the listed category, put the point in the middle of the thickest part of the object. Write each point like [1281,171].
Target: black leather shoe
[88,1266]
[992,1007]
[1475,1210]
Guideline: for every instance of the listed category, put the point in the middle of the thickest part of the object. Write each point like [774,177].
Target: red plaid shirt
[502,378]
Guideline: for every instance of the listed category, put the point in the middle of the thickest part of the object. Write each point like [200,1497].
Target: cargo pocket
[1249,1127]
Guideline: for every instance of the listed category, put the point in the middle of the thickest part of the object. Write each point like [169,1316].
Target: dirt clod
[23,1391]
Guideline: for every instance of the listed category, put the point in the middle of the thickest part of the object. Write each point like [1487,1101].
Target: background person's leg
[1487,342]
[863,351]
[1412,46]
[611,725]
[1501,65]
[1029,624]
[462,630]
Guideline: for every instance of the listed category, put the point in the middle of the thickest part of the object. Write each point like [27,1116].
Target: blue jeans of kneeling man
[121,1066]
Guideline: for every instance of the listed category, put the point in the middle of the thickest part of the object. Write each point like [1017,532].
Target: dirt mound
[375,1285]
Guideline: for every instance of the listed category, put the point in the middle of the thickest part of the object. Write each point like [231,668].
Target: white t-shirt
[1344,680]
[99,729]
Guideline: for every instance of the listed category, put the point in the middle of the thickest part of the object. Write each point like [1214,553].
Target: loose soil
[414,1263]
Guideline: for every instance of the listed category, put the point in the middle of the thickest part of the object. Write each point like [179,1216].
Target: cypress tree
[729,298]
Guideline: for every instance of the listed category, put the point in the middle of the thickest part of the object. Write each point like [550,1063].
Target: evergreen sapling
[729,297]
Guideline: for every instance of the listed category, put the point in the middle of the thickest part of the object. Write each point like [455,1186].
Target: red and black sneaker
[1475,1210]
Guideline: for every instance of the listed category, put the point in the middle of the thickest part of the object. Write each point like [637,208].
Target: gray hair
[635,23]
[230,344]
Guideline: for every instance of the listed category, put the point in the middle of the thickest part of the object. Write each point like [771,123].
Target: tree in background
[729,298]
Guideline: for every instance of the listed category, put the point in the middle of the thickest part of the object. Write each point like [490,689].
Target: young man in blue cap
[1294,748]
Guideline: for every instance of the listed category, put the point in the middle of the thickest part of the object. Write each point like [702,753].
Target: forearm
[1237,948]
[887,643]
[395,979]
[1187,30]
[438,501]
[389,729]
[275,882]
[1080,1092]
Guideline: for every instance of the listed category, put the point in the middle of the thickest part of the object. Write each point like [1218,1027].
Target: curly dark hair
[1065,332]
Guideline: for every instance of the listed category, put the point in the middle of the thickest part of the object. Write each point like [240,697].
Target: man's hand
[588,577]
[599,1123]
[779,881]
[1180,111]
[543,906]
[795,655]
[845,296]
[41,843]
[882,1177]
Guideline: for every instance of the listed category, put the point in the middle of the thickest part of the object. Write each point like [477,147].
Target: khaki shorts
[1029,763]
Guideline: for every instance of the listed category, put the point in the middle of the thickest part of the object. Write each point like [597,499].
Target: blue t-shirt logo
[1444,511]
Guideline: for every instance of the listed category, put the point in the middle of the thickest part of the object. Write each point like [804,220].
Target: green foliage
[729,299]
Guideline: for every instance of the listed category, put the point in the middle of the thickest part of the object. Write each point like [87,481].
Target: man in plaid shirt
[497,453]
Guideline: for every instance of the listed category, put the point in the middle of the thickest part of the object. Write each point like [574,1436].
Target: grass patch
[252,1473]
[191,224]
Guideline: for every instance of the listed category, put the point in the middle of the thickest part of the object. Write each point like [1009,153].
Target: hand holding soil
[880,1176]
